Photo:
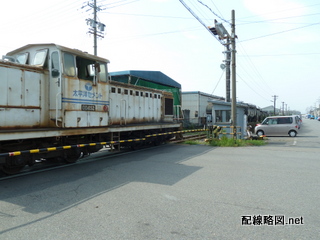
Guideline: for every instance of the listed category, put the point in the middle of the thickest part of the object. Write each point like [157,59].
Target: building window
[223,115]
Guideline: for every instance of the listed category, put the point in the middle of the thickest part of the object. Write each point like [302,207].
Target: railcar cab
[77,94]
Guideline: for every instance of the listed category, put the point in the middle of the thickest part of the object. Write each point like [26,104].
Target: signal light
[213,30]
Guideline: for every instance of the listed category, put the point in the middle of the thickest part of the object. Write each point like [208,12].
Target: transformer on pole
[96,28]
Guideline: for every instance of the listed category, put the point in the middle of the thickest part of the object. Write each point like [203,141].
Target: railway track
[42,165]
[189,137]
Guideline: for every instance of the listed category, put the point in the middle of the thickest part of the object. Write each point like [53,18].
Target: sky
[277,49]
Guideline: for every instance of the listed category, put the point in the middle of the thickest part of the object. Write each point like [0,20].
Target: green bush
[230,142]
[227,142]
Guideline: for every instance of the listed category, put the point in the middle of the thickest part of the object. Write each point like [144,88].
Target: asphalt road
[174,192]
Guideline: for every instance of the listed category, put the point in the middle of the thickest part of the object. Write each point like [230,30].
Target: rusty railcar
[53,95]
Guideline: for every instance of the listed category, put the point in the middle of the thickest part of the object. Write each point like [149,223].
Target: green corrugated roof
[152,76]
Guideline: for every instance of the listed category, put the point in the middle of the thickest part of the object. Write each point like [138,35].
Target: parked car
[278,126]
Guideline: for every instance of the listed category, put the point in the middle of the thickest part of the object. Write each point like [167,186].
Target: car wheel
[260,133]
[292,133]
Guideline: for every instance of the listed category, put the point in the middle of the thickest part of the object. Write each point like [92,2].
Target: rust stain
[21,67]
[7,107]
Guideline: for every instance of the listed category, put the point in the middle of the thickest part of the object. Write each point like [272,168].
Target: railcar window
[103,76]
[23,58]
[113,90]
[168,106]
[55,65]
[85,68]
[119,90]
[126,91]
[137,93]
[147,95]
[88,69]
[158,96]
[141,94]
[55,61]
[131,92]
[150,95]
[40,57]
[69,65]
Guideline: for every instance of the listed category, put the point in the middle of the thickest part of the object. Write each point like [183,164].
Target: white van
[278,126]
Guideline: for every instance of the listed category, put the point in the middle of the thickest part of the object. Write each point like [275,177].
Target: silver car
[278,126]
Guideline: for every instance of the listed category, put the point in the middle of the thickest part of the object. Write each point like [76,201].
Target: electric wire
[199,20]
[60,12]
[124,2]
[276,19]
[216,8]
[280,55]
[286,10]
[126,38]
[223,71]
[255,70]
[253,90]
[222,19]
[204,16]
[147,15]
[276,33]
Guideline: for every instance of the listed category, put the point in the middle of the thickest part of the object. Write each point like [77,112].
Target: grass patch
[227,142]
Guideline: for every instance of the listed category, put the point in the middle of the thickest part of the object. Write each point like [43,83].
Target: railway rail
[107,152]
[189,137]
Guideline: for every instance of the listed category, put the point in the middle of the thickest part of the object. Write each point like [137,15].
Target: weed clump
[227,142]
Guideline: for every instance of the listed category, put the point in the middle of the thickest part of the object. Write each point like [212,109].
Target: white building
[194,107]
[271,110]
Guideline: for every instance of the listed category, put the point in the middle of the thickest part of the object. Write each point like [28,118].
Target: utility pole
[274,104]
[283,108]
[223,34]
[286,109]
[97,28]
[228,60]
[234,89]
